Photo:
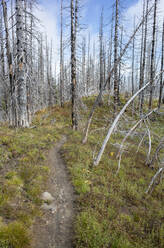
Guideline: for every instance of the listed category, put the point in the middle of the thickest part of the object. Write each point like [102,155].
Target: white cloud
[137,10]
[49,25]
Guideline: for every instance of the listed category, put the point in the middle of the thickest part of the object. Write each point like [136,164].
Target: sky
[91,10]
[49,14]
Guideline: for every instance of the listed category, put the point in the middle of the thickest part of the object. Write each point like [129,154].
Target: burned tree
[152,67]
[22,118]
[74,19]
[61,57]
[161,77]
[116,81]
[101,54]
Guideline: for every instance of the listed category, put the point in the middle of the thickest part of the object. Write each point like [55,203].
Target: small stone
[47,197]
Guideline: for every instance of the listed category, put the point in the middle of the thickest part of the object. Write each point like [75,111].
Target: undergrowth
[114,211]
[23,174]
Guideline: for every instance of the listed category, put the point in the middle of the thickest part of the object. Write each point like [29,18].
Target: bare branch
[154,179]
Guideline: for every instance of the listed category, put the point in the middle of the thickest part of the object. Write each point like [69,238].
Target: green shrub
[14,235]
[91,232]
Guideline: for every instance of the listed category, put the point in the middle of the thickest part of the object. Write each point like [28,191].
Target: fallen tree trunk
[128,134]
[159,147]
[154,179]
[96,162]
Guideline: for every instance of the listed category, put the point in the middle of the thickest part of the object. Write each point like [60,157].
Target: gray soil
[55,228]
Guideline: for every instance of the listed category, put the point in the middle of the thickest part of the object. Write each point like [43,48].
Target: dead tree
[120,64]
[104,61]
[142,74]
[110,130]
[30,106]
[152,67]
[133,61]
[141,55]
[2,55]
[84,66]
[110,52]
[109,76]
[12,115]
[61,57]
[156,153]
[116,81]
[41,76]
[2,69]
[133,66]
[22,118]
[12,24]
[101,54]
[121,150]
[74,19]
[49,72]
[50,93]
[88,71]
[161,77]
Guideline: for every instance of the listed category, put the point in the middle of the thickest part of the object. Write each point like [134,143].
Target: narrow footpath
[55,229]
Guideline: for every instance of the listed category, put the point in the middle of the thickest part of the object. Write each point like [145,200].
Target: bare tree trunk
[2,56]
[88,79]
[48,62]
[41,72]
[12,23]
[50,71]
[133,60]
[22,120]
[12,114]
[110,55]
[116,82]
[143,61]
[30,102]
[74,11]
[61,57]
[161,78]
[133,65]
[141,55]
[104,62]
[152,70]
[101,54]
[94,67]
[26,57]
[84,66]
[119,75]
[2,67]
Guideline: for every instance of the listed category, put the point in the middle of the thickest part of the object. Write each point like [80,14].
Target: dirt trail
[55,230]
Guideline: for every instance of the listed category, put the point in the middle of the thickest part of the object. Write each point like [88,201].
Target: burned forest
[81,124]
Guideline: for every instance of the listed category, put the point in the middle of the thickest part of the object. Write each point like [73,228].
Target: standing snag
[74,17]
[20,87]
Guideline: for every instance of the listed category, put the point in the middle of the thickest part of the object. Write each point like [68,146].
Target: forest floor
[103,209]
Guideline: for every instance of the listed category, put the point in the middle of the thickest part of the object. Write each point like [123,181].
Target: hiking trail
[55,229]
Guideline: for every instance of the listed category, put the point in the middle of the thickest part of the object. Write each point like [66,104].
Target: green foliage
[114,211]
[24,174]
[90,231]
[14,235]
